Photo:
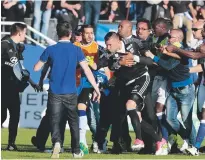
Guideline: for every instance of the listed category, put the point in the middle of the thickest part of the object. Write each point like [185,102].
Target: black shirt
[8,59]
[180,6]
[125,74]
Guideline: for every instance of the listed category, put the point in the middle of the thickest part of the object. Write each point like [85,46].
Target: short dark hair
[160,21]
[64,29]
[16,28]
[111,34]
[86,26]
[145,21]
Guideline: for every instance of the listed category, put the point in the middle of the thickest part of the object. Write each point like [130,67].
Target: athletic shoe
[202,149]
[138,145]
[50,150]
[116,148]
[171,140]
[95,147]
[103,149]
[193,151]
[34,142]
[11,147]
[184,146]
[84,148]
[79,155]
[56,150]
[161,147]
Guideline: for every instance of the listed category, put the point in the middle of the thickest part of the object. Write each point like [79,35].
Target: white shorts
[159,90]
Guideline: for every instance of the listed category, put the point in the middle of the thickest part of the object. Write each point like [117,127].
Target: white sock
[82,126]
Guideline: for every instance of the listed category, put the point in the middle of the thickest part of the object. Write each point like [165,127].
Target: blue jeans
[92,8]
[41,15]
[93,115]
[182,99]
[61,106]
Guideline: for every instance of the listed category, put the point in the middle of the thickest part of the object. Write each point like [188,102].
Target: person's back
[64,58]
[62,97]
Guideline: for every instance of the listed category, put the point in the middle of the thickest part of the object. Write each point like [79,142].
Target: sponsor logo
[14,60]
[9,64]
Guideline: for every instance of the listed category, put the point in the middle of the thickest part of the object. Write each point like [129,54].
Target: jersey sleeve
[80,55]
[45,55]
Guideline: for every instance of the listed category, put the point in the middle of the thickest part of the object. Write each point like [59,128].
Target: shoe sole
[55,153]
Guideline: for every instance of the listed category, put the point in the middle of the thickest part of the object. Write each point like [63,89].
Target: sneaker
[56,150]
[202,149]
[116,148]
[103,149]
[40,148]
[50,150]
[171,140]
[138,145]
[95,147]
[84,148]
[79,155]
[161,147]
[185,146]
[11,147]
[34,141]
[193,151]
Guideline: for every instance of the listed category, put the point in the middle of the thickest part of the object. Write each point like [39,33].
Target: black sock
[135,123]
[146,127]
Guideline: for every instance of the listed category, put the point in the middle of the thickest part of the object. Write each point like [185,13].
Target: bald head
[198,24]
[125,28]
[197,29]
[178,34]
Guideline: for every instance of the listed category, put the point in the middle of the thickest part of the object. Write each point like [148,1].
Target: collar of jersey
[67,41]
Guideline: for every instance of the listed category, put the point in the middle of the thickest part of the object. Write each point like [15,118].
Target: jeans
[93,115]
[58,106]
[44,130]
[182,99]
[200,97]
[41,15]
[92,8]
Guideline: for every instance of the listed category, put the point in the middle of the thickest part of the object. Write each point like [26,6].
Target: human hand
[171,48]
[96,96]
[77,6]
[149,54]
[75,13]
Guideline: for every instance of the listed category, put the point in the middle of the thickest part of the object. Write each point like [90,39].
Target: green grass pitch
[28,151]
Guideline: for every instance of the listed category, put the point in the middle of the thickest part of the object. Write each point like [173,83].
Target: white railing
[48,40]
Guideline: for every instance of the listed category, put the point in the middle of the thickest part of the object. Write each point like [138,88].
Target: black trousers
[58,105]
[44,130]
[106,113]
[10,100]
[120,130]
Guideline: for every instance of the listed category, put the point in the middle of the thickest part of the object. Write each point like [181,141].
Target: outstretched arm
[190,54]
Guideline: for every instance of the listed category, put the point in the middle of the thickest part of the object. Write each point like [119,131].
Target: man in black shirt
[132,80]
[10,83]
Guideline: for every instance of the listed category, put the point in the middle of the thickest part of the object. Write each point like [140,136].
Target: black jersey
[9,59]
[134,46]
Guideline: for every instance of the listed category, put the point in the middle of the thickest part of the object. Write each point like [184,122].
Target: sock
[82,125]
[162,122]
[147,128]
[135,123]
[200,134]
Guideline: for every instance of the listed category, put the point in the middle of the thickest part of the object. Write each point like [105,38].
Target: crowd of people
[89,12]
[149,76]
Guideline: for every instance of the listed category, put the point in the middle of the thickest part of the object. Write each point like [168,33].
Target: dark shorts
[136,90]
[85,96]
